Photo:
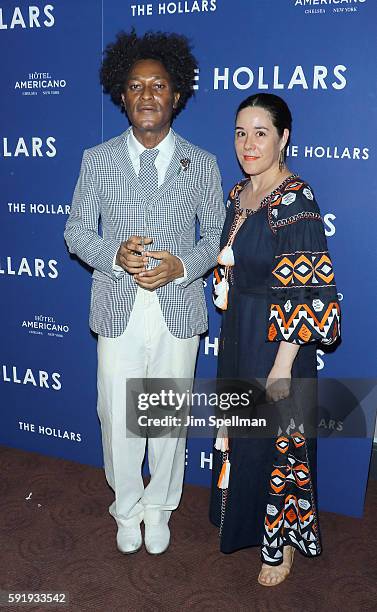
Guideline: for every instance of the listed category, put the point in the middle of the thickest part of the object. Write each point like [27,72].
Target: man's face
[148,97]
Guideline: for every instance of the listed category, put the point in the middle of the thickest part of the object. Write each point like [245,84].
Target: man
[147,187]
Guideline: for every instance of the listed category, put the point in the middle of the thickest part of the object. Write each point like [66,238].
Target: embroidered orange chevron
[282,443]
[275,522]
[327,278]
[298,439]
[321,324]
[302,517]
[310,266]
[281,476]
[294,186]
[301,468]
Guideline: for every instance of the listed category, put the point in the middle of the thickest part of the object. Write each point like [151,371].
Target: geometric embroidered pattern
[307,309]
[290,513]
[282,200]
[273,199]
[304,324]
[304,305]
[299,269]
[307,215]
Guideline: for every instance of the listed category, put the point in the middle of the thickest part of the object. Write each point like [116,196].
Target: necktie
[148,176]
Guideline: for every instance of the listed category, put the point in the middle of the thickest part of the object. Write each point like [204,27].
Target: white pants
[146,349]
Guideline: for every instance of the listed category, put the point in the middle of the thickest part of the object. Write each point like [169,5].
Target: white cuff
[118,271]
[178,281]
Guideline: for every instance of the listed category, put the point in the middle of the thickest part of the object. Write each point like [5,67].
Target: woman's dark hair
[172,50]
[278,109]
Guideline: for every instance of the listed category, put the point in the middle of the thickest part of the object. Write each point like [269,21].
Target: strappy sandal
[280,572]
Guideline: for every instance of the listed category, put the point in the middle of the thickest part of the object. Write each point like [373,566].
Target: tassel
[222,287]
[221,301]
[222,441]
[218,275]
[226,256]
[223,481]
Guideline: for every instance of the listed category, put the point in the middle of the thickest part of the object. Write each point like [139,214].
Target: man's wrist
[116,266]
[182,275]
[181,270]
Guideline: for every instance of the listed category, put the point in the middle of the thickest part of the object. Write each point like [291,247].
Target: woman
[276,286]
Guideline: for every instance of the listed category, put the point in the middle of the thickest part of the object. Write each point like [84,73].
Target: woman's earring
[281,160]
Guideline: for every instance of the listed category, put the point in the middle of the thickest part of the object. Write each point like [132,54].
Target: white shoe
[157,532]
[129,539]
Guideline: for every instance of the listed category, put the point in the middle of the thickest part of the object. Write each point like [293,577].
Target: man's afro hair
[172,50]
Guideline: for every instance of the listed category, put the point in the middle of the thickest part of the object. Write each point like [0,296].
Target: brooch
[184,164]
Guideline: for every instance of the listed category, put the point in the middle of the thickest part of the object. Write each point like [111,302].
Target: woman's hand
[278,383]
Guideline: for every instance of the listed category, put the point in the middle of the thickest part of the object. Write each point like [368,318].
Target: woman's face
[257,141]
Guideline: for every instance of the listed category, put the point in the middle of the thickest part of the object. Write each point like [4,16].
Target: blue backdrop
[318,55]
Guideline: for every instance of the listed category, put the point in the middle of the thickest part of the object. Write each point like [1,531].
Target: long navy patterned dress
[281,288]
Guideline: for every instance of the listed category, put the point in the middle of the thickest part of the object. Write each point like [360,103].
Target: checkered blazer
[109,191]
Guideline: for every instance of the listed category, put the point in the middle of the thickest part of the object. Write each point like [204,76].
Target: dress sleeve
[303,304]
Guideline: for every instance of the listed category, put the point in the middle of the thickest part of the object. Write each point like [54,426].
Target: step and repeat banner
[319,55]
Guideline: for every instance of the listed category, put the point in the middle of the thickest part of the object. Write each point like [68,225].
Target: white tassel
[226,256]
[222,287]
[221,301]
[222,440]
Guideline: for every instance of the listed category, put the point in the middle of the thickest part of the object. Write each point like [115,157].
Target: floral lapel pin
[184,164]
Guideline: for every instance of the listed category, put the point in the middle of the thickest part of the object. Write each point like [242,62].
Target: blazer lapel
[175,168]
[123,160]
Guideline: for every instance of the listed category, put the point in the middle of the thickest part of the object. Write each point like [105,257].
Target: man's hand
[168,270]
[127,256]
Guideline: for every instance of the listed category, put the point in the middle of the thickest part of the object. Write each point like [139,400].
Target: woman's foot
[271,575]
